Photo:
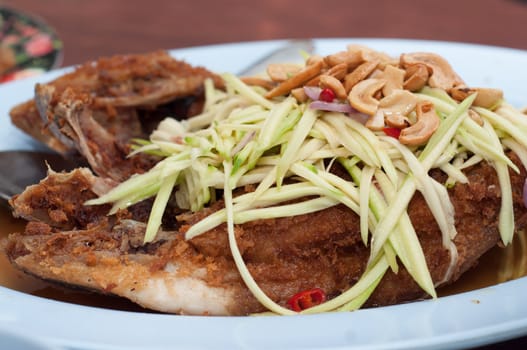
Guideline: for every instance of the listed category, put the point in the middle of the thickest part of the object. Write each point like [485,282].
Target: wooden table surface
[93,28]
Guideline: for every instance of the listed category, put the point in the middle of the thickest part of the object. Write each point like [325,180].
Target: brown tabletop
[94,28]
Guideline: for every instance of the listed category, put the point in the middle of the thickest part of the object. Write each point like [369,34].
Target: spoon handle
[289,52]
[19,169]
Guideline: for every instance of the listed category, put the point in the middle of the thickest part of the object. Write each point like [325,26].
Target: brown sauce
[488,272]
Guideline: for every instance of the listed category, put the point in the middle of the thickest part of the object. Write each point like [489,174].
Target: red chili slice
[306,299]
[327,95]
[393,132]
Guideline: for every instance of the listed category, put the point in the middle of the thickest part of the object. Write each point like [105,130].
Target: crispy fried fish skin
[285,255]
[165,275]
[57,200]
[99,107]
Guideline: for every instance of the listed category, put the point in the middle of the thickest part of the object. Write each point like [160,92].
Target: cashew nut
[416,77]
[369,54]
[256,81]
[338,71]
[303,76]
[395,120]
[299,94]
[282,71]
[314,59]
[486,98]
[441,73]
[394,79]
[358,74]
[351,59]
[361,96]
[327,81]
[426,124]
[396,107]
[376,121]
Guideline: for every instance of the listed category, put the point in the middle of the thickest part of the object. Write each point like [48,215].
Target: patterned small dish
[28,46]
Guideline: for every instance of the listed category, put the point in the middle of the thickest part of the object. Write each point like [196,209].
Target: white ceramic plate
[464,320]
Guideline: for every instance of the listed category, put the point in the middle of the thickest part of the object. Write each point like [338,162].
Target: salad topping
[386,121]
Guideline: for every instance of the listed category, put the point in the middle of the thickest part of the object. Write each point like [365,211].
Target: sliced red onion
[332,106]
[525,193]
[313,92]
[359,117]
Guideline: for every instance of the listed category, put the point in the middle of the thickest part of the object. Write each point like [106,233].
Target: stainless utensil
[19,169]
[289,52]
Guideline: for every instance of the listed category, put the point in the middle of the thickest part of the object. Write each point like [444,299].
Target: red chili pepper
[393,132]
[306,299]
[327,95]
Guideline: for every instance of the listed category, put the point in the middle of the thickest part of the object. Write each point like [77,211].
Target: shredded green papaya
[285,148]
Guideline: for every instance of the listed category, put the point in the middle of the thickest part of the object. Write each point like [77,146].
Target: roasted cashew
[416,77]
[441,73]
[486,98]
[314,59]
[426,124]
[338,71]
[257,81]
[282,71]
[361,96]
[299,79]
[395,120]
[394,79]
[369,54]
[327,81]
[351,59]
[359,74]
[396,107]
[376,121]
[299,94]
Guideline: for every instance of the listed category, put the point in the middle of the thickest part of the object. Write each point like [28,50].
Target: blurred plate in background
[28,46]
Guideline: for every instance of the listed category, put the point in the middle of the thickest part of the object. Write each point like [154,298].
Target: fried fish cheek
[97,109]
[166,275]
[58,200]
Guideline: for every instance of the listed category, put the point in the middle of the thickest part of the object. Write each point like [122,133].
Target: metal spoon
[290,51]
[19,169]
